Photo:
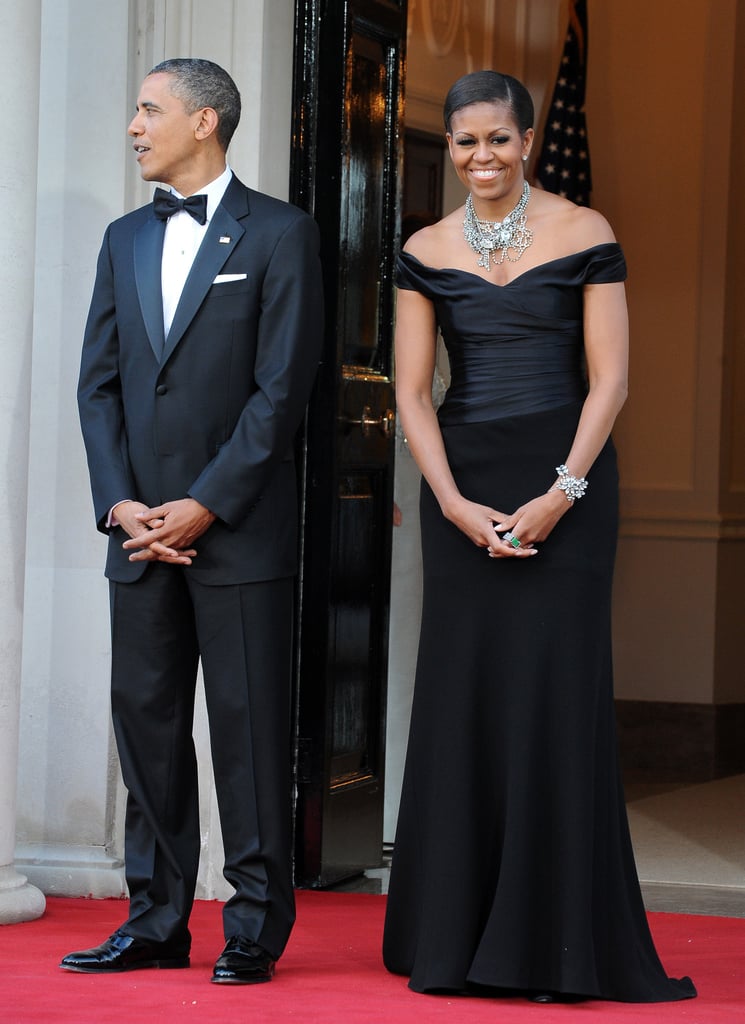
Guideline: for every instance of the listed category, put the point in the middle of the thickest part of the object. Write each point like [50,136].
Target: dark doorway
[422,180]
[346,159]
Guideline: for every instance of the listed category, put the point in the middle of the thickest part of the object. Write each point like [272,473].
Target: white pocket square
[222,278]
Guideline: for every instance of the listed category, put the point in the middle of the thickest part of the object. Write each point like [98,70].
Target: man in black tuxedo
[200,351]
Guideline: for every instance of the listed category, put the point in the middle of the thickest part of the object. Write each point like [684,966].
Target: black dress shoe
[122,952]
[242,962]
[542,997]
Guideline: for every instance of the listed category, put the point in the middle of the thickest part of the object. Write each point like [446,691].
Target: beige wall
[665,114]
[665,111]
[518,37]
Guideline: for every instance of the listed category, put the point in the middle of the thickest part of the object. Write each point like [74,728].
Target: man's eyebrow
[148,105]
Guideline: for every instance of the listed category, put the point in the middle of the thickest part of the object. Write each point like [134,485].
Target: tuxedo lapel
[148,253]
[222,236]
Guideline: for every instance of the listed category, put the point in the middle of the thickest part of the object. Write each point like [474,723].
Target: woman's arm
[415,341]
[606,351]
[607,356]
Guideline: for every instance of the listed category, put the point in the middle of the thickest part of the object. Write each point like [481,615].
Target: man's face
[165,135]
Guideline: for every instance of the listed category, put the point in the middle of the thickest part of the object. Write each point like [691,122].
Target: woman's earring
[525,156]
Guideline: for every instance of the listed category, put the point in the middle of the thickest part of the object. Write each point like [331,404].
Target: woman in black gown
[513,868]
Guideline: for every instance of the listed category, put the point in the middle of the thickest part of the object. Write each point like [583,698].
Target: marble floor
[689,842]
[690,845]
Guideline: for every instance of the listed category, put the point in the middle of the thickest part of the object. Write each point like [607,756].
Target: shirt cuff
[111,519]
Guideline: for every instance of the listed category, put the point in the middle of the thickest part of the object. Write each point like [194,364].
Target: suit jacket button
[161,390]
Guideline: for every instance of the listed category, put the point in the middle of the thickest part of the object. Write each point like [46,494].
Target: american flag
[564,161]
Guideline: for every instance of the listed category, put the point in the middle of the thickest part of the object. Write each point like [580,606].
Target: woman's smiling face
[487,151]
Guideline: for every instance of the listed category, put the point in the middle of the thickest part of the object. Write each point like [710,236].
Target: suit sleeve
[290,333]
[100,400]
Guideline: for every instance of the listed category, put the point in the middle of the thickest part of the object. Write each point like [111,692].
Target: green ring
[514,542]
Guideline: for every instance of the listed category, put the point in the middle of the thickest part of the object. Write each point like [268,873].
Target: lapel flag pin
[225,239]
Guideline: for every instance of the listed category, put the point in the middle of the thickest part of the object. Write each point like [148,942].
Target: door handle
[386,421]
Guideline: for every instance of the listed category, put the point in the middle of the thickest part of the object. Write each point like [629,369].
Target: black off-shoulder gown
[512,866]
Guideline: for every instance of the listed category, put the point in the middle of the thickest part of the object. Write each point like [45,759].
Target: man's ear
[207,124]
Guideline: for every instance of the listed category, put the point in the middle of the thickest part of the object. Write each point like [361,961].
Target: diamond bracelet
[572,486]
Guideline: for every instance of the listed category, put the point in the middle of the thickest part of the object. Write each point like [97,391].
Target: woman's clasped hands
[509,536]
[529,525]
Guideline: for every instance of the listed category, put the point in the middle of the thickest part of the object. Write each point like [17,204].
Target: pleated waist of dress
[500,378]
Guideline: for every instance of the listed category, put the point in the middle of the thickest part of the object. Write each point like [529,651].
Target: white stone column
[69,804]
[19,28]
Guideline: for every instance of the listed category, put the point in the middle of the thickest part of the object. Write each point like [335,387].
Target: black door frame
[323,64]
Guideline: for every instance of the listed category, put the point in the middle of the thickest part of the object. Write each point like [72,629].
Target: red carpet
[330,974]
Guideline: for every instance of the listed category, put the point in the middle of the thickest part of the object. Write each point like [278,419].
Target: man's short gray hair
[201,83]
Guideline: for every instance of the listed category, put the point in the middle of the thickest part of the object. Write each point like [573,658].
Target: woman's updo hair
[490,87]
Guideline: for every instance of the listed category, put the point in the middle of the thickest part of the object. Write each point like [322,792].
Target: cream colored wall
[655,136]
[445,41]
[667,150]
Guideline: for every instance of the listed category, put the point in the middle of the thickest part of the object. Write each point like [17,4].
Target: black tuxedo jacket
[211,412]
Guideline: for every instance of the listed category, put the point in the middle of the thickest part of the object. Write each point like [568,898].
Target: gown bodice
[517,348]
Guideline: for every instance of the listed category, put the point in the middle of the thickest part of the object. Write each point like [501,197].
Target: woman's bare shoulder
[578,226]
[589,227]
[431,244]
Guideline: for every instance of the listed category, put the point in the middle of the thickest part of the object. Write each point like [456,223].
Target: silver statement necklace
[489,237]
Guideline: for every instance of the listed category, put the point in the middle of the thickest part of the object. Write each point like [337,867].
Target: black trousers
[161,626]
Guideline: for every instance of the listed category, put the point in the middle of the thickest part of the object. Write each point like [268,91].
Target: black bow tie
[166,203]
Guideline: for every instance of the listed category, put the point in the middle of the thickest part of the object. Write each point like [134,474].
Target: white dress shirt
[182,239]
